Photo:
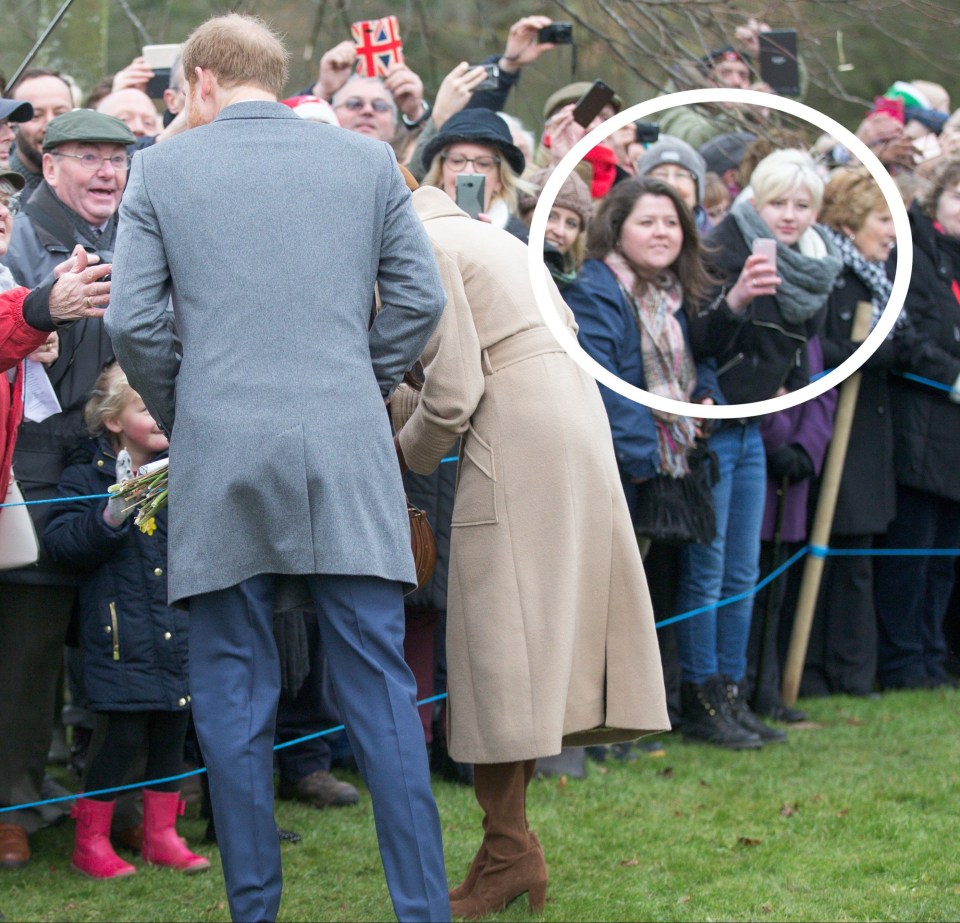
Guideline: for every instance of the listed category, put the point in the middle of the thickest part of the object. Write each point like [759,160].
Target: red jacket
[17,340]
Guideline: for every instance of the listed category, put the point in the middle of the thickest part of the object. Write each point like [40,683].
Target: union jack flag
[378,45]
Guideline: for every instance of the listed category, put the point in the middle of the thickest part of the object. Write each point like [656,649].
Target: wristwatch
[425,110]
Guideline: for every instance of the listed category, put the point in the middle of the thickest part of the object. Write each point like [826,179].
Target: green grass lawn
[856,818]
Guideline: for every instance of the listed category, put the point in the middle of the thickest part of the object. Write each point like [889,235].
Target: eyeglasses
[11,203]
[355,104]
[92,163]
[672,175]
[457,162]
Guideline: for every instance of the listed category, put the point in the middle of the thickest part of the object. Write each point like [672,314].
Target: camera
[647,132]
[557,33]
[492,80]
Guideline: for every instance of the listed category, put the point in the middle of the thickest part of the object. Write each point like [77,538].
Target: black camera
[557,33]
[647,132]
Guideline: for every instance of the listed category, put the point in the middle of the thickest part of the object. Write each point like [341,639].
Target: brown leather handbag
[422,543]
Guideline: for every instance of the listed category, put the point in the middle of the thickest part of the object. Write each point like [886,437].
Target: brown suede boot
[514,862]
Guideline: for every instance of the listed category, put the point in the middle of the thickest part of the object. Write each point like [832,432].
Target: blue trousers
[715,641]
[235,685]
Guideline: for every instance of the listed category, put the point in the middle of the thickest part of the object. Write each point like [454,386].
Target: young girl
[134,646]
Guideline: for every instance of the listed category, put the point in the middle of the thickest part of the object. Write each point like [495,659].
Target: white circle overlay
[832,379]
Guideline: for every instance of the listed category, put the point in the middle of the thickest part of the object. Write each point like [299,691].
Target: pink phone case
[766,246]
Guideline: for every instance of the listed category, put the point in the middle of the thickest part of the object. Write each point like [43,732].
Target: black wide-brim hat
[476,126]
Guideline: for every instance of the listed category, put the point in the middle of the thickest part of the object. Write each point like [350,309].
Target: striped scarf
[668,366]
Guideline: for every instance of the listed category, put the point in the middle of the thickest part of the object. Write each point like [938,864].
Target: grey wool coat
[550,634]
[269,233]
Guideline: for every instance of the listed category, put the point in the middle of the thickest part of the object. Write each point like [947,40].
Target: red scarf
[604,163]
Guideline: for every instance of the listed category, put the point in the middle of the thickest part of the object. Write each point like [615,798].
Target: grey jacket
[281,452]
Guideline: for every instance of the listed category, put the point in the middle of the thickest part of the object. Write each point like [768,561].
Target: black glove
[791,462]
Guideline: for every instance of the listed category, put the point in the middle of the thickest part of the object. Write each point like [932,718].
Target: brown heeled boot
[510,862]
[462,890]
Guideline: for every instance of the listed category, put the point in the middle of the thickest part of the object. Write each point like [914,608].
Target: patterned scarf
[872,273]
[807,279]
[668,366]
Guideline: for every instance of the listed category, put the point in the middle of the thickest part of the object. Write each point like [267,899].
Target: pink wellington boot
[161,845]
[92,853]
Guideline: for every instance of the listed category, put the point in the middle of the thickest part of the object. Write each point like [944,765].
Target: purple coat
[809,425]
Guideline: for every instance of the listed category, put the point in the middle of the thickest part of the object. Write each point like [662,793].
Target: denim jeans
[715,641]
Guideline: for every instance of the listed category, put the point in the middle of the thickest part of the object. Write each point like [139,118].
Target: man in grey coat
[281,456]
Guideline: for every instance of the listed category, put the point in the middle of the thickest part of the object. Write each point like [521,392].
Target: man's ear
[50,169]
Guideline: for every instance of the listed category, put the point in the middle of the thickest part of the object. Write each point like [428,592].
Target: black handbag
[679,511]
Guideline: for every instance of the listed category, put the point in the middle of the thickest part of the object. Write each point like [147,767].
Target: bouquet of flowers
[147,491]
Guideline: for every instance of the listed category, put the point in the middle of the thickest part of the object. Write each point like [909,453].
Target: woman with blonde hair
[756,327]
[479,141]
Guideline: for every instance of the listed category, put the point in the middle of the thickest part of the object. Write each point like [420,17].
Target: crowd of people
[722,262]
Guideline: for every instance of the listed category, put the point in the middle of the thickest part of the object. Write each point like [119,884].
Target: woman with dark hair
[644,274]
[912,591]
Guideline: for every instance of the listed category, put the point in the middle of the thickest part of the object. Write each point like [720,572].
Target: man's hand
[136,75]
[406,88]
[522,45]
[78,291]
[455,91]
[335,67]
[748,36]
[563,132]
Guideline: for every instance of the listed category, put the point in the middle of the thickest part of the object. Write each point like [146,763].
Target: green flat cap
[86,125]
[570,94]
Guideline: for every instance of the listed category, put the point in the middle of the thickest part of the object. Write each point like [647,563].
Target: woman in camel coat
[550,635]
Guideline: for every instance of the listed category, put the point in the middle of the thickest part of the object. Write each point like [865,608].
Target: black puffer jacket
[759,351]
[926,422]
[134,645]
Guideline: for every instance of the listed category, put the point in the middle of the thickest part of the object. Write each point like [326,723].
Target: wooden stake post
[823,520]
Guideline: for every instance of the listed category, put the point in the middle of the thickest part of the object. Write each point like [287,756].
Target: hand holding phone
[589,105]
[471,193]
[767,248]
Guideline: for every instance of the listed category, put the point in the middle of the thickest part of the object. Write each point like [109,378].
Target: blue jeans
[715,642]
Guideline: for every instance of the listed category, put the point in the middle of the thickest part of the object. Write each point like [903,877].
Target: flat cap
[14,179]
[86,125]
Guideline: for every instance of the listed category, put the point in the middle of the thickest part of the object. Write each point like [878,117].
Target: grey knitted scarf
[806,280]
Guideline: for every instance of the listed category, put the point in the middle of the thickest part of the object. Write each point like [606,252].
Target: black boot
[707,717]
[740,712]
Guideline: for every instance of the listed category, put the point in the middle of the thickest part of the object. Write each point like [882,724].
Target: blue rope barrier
[739,596]
[183,775]
[55,500]
[818,550]
[929,382]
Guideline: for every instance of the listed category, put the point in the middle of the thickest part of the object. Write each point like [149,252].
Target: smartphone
[378,45]
[471,193]
[491,81]
[778,61]
[161,59]
[766,247]
[589,105]
[557,33]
